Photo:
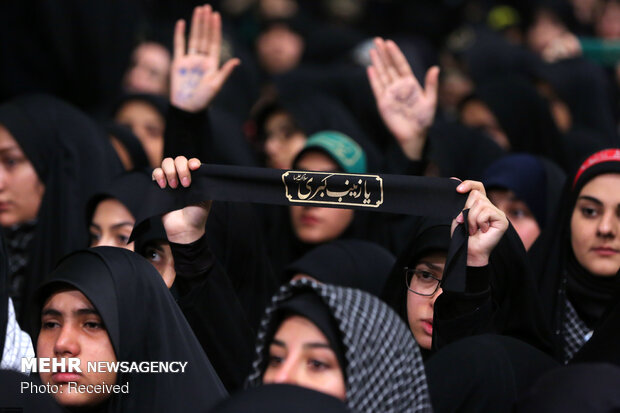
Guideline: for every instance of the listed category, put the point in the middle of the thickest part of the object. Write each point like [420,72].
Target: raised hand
[406,108]
[196,76]
[185,225]
[487,223]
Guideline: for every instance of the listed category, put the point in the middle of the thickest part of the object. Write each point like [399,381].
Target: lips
[4,206]
[66,377]
[605,251]
[309,220]
[427,326]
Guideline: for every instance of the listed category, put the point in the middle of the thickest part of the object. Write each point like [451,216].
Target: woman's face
[301,355]
[148,125]
[477,115]
[21,191]
[595,225]
[111,225]
[518,213]
[71,327]
[149,70]
[419,307]
[314,225]
[159,254]
[279,49]
[283,141]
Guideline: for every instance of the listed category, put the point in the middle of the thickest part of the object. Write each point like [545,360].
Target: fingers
[159,177]
[223,73]
[483,215]
[215,36]
[205,30]
[170,172]
[194,164]
[379,68]
[179,39]
[398,59]
[182,171]
[431,85]
[194,31]
[468,186]
[375,84]
[386,63]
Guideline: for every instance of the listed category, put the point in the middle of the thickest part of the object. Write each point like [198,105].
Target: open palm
[196,76]
[406,108]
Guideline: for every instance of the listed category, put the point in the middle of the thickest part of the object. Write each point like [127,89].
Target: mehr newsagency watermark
[72,367]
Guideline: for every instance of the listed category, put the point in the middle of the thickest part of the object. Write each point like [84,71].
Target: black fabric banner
[402,194]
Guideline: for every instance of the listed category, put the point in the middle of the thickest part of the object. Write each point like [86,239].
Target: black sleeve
[500,298]
[187,134]
[212,309]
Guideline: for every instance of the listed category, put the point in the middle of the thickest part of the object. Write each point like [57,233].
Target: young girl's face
[595,225]
[71,327]
[301,355]
[429,269]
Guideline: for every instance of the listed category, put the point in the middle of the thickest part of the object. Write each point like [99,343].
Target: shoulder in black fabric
[144,323]
[384,371]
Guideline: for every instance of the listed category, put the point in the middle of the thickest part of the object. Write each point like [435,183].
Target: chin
[605,269]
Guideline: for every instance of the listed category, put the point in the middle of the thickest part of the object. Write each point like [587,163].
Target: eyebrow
[431,266]
[8,149]
[79,311]
[305,345]
[115,226]
[590,198]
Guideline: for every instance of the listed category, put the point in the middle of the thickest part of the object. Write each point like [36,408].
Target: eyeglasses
[421,282]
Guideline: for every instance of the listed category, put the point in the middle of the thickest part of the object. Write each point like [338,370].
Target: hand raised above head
[406,108]
[196,76]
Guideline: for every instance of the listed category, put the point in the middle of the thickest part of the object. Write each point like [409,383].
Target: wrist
[477,260]
[186,237]
[413,147]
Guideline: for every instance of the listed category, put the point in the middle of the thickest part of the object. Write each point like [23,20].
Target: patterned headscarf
[384,369]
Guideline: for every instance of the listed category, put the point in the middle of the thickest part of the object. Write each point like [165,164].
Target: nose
[608,225]
[434,296]
[67,343]
[3,178]
[287,373]
[272,145]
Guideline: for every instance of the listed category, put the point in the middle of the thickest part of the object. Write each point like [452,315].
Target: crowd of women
[362,206]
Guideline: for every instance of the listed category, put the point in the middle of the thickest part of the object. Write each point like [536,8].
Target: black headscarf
[144,323]
[428,236]
[348,263]
[584,87]
[312,113]
[559,274]
[159,103]
[384,370]
[524,116]
[73,159]
[131,143]
[129,188]
[534,180]
[280,398]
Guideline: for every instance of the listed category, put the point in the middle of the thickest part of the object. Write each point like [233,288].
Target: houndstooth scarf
[384,369]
